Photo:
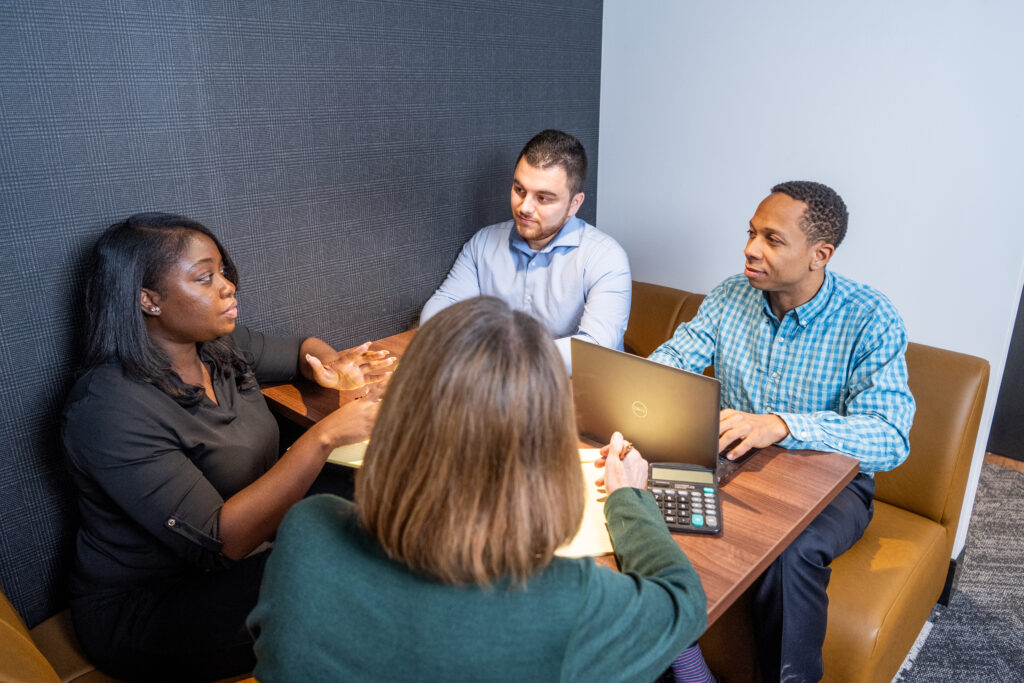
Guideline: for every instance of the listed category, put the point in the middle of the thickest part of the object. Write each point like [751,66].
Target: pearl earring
[154,309]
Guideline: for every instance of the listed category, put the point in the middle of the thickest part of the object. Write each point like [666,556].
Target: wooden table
[765,505]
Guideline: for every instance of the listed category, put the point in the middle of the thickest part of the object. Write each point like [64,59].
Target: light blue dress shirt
[833,369]
[578,285]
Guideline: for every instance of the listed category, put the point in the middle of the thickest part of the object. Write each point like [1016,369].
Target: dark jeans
[790,605]
[187,629]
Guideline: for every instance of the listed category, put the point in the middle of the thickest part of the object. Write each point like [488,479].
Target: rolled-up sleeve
[142,470]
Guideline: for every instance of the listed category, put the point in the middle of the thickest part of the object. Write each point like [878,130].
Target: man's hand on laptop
[748,431]
[624,466]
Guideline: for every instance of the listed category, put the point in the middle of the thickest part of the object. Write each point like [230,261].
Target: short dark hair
[473,472]
[826,216]
[556,148]
[135,253]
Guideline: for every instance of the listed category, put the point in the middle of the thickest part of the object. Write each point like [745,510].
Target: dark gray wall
[1007,434]
[343,151]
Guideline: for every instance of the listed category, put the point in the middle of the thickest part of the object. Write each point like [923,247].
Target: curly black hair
[826,216]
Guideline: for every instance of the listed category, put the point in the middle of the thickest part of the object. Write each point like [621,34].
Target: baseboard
[955,565]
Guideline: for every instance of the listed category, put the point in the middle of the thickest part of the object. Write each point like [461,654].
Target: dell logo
[639,409]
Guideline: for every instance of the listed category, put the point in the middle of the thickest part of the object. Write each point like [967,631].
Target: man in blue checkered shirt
[807,359]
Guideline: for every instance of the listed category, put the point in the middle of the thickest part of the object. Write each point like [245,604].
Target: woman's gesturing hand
[351,368]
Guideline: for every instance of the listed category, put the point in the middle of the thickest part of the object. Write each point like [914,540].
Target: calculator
[687,496]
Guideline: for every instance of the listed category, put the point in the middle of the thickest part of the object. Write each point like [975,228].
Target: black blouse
[152,475]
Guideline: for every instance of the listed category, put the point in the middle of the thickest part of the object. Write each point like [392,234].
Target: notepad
[592,537]
[349,454]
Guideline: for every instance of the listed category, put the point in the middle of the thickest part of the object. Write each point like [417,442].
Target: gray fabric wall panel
[343,151]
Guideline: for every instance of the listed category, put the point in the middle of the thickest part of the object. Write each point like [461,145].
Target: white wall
[910,110]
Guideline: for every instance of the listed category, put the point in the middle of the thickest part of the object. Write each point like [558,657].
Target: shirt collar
[569,236]
[805,314]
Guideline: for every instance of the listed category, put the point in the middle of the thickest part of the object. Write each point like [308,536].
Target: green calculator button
[697,520]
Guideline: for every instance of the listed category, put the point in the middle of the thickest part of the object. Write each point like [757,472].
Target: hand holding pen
[624,466]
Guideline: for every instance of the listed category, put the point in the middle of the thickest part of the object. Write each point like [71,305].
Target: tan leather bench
[883,589]
[885,586]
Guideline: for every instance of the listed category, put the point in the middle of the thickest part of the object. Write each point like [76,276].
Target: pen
[626,448]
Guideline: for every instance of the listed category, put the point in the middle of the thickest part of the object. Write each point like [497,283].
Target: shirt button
[533,263]
[529,298]
[170,522]
[775,375]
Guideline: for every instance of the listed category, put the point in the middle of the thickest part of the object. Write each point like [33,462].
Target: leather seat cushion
[56,639]
[880,593]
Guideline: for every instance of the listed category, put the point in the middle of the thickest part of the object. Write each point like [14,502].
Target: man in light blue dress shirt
[808,360]
[546,261]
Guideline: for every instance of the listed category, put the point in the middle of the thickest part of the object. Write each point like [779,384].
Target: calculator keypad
[688,507]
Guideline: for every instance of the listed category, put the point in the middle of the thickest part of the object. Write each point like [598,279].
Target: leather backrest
[687,310]
[949,389]
[20,659]
[652,316]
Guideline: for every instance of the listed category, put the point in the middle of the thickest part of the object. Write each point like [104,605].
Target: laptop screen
[670,415]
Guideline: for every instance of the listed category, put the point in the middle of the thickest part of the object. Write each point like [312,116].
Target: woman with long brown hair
[445,566]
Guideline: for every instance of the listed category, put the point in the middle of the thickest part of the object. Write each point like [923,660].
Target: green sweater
[333,607]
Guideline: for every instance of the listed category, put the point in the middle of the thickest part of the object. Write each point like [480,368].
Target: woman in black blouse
[175,454]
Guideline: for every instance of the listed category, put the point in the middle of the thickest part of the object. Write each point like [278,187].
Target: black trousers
[790,604]
[189,629]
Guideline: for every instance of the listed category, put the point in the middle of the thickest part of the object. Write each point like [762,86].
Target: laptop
[670,415]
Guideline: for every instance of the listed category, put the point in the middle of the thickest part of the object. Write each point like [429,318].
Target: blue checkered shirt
[833,369]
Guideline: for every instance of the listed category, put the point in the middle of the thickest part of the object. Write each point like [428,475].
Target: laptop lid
[671,415]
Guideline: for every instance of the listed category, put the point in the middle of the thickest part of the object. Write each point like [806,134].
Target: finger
[599,482]
[731,421]
[377,364]
[354,352]
[743,446]
[373,379]
[375,391]
[740,450]
[615,445]
[319,370]
[635,469]
[726,439]
[610,465]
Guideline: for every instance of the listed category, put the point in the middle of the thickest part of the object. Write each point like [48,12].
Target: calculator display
[695,476]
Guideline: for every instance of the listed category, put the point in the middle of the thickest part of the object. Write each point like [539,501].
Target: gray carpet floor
[980,635]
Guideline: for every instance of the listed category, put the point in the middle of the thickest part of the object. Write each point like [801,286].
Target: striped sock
[689,667]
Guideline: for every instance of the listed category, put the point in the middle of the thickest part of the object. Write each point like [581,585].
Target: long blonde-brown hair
[472,472]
